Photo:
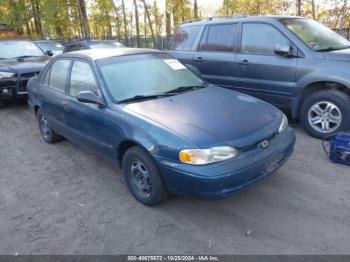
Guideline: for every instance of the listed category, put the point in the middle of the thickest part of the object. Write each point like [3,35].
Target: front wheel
[325,113]
[142,177]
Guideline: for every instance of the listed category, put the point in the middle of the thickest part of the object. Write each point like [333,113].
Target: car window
[58,74]
[82,79]
[17,48]
[145,75]
[184,38]
[218,38]
[47,77]
[261,39]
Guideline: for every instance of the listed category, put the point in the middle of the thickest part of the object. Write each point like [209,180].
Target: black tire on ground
[3,103]
[140,171]
[48,134]
[324,98]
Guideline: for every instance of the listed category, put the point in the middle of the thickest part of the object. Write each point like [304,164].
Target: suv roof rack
[216,17]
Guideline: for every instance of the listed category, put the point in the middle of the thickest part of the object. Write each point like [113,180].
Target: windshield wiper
[331,48]
[141,97]
[24,56]
[184,88]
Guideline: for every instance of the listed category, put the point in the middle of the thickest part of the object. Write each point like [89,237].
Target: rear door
[86,121]
[262,73]
[53,94]
[215,56]
[182,45]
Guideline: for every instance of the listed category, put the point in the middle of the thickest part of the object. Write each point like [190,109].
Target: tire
[46,131]
[325,113]
[142,177]
[3,103]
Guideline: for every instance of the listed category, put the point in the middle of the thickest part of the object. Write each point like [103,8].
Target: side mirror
[283,50]
[90,97]
[49,52]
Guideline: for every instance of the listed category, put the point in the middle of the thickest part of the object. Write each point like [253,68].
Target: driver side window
[82,79]
[261,39]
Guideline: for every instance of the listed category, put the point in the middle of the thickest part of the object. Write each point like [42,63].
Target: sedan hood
[26,65]
[213,116]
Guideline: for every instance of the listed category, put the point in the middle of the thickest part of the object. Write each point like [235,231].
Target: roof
[239,18]
[95,54]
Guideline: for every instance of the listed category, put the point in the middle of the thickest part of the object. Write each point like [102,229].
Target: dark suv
[292,62]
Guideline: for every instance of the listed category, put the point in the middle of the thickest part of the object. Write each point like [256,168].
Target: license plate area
[273,163]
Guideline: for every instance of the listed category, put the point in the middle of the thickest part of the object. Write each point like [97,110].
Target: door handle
[199,59]
[66,106]
[244,62]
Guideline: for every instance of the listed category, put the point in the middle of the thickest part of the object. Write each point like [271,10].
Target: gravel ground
[62,199]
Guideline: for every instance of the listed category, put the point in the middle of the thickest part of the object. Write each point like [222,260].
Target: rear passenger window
[58,74]
[218,38]
[261,39]
[82,79]
[184,38]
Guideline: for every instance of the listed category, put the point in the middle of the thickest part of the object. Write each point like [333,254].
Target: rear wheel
[142,177]
[325,113]
[46,131]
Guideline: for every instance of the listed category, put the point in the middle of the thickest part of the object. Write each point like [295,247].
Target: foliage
[70,19]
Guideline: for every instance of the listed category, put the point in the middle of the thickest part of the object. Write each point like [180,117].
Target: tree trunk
[150,23]
[117,19]
[137,24]
[299,7]
[125,23]
[167,19]
[313,9]
[37,19]
[84,19]
[195,9]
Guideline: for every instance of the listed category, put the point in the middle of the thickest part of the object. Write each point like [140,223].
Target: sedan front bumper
[230,176]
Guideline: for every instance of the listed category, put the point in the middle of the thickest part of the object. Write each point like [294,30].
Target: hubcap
[140,178]
[44,126]
[324,117]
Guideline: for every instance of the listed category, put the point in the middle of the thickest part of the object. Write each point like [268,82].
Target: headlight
[284,124]
[207,156]
[5,74]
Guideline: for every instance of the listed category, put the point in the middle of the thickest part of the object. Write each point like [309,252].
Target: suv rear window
[184,38]
[218,38]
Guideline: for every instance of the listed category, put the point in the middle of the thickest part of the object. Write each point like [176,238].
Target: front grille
[23,80]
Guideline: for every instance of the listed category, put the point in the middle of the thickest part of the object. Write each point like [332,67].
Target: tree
[125,22]
[195,9]
[84,19]
[149,22]
[137,24]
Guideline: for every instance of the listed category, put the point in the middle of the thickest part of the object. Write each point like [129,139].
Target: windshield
[316,35]
[13,49]
[50,45]
[145,75]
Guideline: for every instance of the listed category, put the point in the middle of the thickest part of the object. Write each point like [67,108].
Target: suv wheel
[325,113]
[142,177]
[46,131]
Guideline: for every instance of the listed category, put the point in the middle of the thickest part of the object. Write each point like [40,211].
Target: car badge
[264,144]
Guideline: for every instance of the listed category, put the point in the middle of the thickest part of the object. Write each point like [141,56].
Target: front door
[86,121]
[262,73]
